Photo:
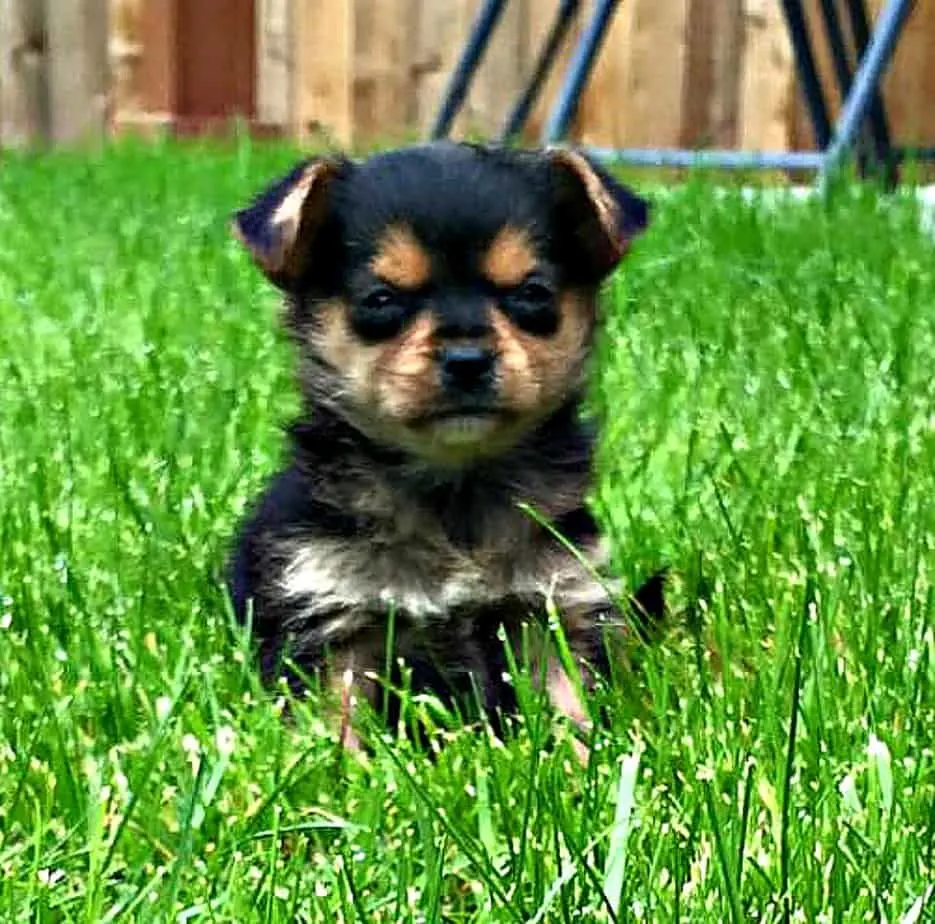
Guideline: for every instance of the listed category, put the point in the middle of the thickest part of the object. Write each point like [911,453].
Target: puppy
[443,299]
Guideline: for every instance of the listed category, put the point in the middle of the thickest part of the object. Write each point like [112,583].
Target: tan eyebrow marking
[400,259]
[510,258]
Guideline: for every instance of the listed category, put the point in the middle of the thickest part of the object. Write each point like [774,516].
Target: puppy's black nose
[467,368]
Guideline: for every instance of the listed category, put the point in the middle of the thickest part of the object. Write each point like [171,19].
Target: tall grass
[768,381]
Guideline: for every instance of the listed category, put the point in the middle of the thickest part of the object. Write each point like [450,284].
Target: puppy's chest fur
[411,564]
[347,537]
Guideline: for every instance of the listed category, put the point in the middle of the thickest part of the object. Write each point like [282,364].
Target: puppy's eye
[379,298]
[535,293]
[382,313]
[531,306]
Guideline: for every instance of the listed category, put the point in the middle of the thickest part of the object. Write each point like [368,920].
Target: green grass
[769,381]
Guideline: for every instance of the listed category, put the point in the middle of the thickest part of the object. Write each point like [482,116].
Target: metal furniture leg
[807,71]
[872,65]
[860,89]
[579,70]
[517,118]
[460,82]
[840,60]
[879,128]
[837,46]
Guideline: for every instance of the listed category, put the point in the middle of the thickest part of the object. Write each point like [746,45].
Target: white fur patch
[354,579]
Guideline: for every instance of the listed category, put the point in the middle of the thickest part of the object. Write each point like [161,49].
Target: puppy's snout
[467,369]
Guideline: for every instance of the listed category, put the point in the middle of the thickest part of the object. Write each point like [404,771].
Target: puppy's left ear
[283,228]
[597,218]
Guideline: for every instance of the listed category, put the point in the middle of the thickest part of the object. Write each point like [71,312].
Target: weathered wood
[23,114]
[358,72]
[602,113]
[158,65]
[78,70]
[503,70]
[727,53]
[768,84]
[276,77]
[646,54]
[909,89]
[323,50]
[126,51]
[441,29]
[383,93]
[216,76]
[698,87]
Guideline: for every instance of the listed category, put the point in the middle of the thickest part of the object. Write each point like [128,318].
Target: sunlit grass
[768,380]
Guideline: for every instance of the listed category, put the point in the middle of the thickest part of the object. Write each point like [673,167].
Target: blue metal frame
[518,117]
[808,71]
[486,22]
[862,106]
[873,64]
[582,63]
[860,29]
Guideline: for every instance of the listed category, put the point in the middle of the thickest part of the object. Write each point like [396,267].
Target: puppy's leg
[565,699]
[595,634]
[549,674]
[351,680]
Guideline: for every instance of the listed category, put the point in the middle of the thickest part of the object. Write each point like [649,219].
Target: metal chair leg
[517,118]
[879,128]
[840,59]
[578,71]
[807,71]
[874,62]
[461,79]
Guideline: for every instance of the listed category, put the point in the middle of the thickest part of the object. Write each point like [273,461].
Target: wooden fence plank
[502,71]
[275,71]
[384,46]
[727,53]
[126,49]
[441,29]
[23,114]
[540,15]
[602,113]
[768,84]
[698,88]
[78,71]
[910,86]
[908,89]
[158,64]
[351,72]
[645,55]
[323,50]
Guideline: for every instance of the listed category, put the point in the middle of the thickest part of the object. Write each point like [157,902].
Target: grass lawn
[769,383]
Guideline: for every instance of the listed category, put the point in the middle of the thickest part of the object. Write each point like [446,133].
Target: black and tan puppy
[443,298]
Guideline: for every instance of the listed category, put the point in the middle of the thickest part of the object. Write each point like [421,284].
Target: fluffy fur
[443,300]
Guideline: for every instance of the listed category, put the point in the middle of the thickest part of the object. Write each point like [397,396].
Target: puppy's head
[444,295]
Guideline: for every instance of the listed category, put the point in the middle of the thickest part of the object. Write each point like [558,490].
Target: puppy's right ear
[282,227]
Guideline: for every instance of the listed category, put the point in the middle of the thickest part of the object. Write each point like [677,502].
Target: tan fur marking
[405,376]
[390,385]
[538,372]
[335,342]
[510,258]
[350,677]
[384,385]
[401,260]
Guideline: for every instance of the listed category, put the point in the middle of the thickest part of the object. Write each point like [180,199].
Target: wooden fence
[692,73]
